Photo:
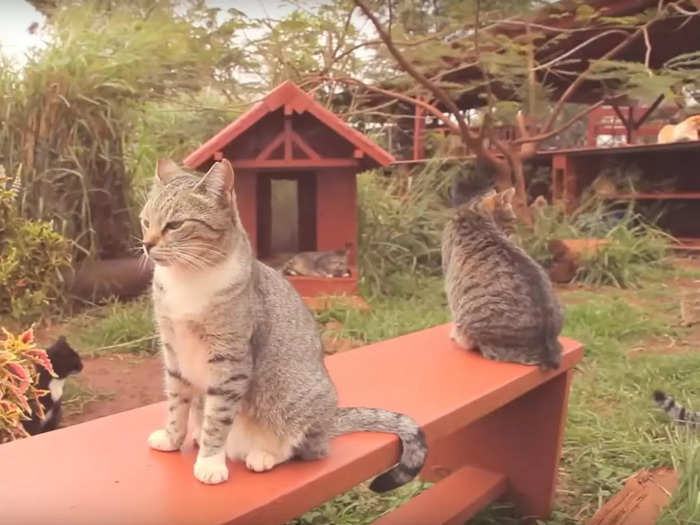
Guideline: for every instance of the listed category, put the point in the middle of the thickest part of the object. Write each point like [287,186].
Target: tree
[513,58]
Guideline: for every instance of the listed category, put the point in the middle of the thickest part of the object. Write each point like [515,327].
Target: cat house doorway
[286,215]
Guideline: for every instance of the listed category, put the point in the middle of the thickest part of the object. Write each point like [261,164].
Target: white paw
[160,440]
[211,470]
[259,461]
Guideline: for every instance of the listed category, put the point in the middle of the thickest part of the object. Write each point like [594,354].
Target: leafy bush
[33,258]
[18,376]
[635,244]
[72,116]
[400,224]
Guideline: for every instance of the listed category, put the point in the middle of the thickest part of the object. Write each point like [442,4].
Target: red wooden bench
[493,430]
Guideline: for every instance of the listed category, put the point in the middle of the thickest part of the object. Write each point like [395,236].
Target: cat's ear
[166,170]
[506,196]
[489,202]
[219,181]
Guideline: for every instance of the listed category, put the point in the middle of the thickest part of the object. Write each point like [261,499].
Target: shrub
[18,376]
[636,245]
[400,224]
[33,259]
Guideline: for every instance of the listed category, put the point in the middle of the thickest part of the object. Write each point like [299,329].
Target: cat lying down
[318,264]
[689,129]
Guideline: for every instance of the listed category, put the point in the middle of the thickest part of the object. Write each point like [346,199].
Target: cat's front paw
[259,461]
[211,470]
[160,440]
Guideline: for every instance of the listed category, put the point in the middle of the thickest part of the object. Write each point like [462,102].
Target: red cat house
[296,165]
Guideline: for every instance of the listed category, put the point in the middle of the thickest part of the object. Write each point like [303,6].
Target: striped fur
[502,301]
[242,354]
[676,412]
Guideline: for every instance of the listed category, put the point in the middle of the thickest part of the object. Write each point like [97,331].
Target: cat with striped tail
[242,353]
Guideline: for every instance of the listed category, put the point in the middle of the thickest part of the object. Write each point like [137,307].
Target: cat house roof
[288,129]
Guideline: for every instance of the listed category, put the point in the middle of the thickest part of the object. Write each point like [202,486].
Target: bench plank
[453,501]
[103,471]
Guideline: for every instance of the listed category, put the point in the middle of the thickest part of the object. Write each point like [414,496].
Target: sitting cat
[502,301]
[689,129]
[321,264]
[677,412]
[65,362]
[243,355]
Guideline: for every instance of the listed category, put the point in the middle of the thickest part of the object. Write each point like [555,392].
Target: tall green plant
[70,115]
[34,257]
[635,244]
[400,221]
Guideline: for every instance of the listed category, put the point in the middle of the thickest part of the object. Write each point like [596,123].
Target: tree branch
[551,133]
[469,140]
[443,117]
[584,74]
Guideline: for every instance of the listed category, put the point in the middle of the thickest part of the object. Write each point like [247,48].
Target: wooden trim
[358,154]
[290,95]
[287,138]
[296,163]
[270,148]
[452,500]
[649,196]
[304,146]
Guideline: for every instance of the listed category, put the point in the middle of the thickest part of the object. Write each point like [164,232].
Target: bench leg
[521,440]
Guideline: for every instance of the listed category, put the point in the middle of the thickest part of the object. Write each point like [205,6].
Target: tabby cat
[65,362]
[243,355]
[320,264]
[502,301]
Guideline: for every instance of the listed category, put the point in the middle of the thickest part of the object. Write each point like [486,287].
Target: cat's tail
[675,411]
[413,447]
[551,357]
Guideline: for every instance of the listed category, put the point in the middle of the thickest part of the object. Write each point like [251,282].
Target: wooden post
[418,127]
[511,440]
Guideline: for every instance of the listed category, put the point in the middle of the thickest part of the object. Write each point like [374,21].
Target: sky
[17,15]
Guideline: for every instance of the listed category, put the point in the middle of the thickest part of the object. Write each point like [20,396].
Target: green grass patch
[114,327]
[420,304]
[613,430]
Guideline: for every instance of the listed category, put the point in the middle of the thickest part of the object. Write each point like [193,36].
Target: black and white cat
[65,362]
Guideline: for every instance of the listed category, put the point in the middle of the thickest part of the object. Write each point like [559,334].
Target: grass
[419,303]
[613,427]
[77,394]
[114,327]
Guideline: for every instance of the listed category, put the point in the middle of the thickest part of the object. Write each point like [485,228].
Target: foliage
[69,115]
[33,259]
[19,396]
[115,327]
[685,504]
[635,245]
[400,223]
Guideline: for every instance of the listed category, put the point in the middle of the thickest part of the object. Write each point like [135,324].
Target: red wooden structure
[288,137]
[477,415]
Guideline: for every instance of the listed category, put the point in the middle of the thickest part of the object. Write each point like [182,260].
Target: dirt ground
[128,381]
